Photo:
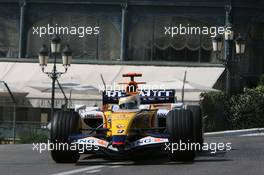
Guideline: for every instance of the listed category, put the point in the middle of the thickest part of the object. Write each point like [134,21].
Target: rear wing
[146,96]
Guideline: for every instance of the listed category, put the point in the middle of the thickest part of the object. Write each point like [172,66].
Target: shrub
[213,107]
[247,110]
[261,80]
[241,111]
[32,136]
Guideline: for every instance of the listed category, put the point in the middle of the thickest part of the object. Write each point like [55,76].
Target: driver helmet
[129,102]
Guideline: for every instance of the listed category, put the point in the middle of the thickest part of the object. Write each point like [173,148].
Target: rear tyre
[197,123]
[179,125]
[64,124]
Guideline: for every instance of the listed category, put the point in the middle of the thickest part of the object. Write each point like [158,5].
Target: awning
[83,81]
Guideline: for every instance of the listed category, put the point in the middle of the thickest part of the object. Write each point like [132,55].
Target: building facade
[132,32]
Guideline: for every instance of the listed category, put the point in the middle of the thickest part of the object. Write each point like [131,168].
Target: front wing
[149,140]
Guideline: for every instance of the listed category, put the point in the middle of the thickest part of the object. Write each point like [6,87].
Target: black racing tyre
[179,125]
[63,124]
[197,123]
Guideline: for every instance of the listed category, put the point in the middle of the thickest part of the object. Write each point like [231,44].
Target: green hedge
[241,111]
[261,80]
[247,110]
[33,136]
[213,108]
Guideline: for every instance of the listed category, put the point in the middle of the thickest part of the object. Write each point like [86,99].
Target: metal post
[228,52]
[123,32]
[14,110]
[228,79]
[14,123]
[54,78]
[183,86]
[64,95]
[22,34]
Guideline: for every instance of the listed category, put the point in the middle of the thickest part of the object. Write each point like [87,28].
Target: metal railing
[25,132]
[14,109]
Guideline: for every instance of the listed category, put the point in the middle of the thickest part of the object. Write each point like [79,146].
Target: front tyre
[179,125]
[64,124]
[197,123]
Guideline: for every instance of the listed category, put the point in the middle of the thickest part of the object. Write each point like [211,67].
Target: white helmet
[129,102]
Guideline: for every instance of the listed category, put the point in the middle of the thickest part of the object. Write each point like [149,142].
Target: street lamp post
[228,54]
[217,46]
[54,74]
[228,48]
[240,46]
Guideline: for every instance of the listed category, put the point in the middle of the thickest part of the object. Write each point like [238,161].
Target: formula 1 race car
[129,119]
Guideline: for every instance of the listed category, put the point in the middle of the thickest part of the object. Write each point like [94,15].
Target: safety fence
[23,132]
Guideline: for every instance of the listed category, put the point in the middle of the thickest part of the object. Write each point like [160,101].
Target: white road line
[78,170]
[115,166]
[235,132]
[93,171]
[255,134]
[118,163]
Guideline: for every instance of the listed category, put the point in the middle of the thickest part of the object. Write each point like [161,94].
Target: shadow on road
[149,159]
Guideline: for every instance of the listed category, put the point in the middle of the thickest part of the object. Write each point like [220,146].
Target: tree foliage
[241,111]
[247,110]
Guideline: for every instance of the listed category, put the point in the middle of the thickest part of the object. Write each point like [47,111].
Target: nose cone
[120,126]
[118,140]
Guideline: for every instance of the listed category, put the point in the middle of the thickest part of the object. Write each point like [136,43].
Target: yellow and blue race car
[129,120]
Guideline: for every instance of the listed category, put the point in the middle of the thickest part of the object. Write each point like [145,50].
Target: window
[147,41]
[8,38]
[104,46]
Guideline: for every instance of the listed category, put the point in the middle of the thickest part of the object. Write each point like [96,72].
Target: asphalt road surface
[245,158]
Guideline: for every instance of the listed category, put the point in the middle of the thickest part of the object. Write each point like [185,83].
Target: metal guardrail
[22,128]
[14,109]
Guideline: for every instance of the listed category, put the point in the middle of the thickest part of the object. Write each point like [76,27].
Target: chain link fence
[14,124]
[25,132]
